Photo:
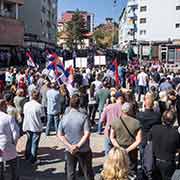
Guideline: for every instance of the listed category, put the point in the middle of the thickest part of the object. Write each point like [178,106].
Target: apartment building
[11,28]
[158,29]
[128,23]
[158,20]
[40,19]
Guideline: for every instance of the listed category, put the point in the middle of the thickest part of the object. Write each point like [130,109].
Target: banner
[100,60]
[81,62]
[69,63]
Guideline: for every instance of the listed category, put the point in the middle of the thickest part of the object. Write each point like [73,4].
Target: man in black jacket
[148,119]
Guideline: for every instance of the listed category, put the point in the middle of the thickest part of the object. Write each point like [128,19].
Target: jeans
[141,91]
[12,171]
[100,123]
[107,145]
[92,112]
[52,119]
[147,175]
[123,82]
[85,161]
[164,170]
[32,145]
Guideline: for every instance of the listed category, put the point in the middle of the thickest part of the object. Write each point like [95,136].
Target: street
[51,154]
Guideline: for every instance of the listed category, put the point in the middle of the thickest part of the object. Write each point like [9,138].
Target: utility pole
[113,22]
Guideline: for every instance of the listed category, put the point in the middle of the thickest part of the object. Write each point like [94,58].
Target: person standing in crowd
[53,107]
[19,101]
[116,166]
[8,77]
[74,132]
[31,87]
[142,79]
[148,119]
[92,105]
[110,113]
[165,142]
[126,133]
[101,96]
[84,98]
[11,110]
[32,125]
[122,75]
[165,85]
[22,85]
[178,103]
[155,75]
[9,134]
[43,93]
[65,98]
[98,83]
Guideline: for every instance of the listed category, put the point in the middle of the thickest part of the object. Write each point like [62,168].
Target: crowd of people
[138,114]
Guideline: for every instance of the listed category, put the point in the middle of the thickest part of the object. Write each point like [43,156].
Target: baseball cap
[118,94]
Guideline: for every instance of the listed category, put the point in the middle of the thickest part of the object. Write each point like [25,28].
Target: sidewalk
[51,154]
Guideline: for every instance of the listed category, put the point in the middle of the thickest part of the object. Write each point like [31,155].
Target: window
[142,32]
[143,8]
[178,25]
[177,7]
[142,20]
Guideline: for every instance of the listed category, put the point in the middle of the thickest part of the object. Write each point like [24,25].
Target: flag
[54,57]
[30,61]
[59,73]
[115,64]
[51,57]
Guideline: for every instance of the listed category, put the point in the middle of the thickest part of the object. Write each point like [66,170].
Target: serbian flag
[30,61]
[115,64]
[53,57]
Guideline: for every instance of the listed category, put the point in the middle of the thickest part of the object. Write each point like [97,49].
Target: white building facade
[128,23]
[158,20]
[150,20]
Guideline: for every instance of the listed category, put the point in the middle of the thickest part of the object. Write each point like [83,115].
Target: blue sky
[101,8]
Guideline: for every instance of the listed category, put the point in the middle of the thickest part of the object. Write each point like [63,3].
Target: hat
[118,94]
[126,107]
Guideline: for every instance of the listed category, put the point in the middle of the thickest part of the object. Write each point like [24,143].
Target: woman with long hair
[65,98]
[116,165]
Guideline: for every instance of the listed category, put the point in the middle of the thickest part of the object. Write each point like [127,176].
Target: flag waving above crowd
[30,60]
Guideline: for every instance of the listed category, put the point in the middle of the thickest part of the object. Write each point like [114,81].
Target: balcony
[11,32]
[20,2]
[132,3]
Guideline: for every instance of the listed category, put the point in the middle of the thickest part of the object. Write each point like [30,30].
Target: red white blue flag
[30,61]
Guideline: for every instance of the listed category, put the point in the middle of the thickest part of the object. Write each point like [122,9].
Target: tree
[76,29]
[106,35]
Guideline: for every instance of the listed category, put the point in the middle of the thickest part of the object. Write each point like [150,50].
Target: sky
[101,8]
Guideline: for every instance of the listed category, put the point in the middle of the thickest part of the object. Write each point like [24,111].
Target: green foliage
[104,38]
[75,30]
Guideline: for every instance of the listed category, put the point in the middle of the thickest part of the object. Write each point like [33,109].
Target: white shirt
[8,77]
[33,111]
[98,85]
[9,134]
[142,79]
